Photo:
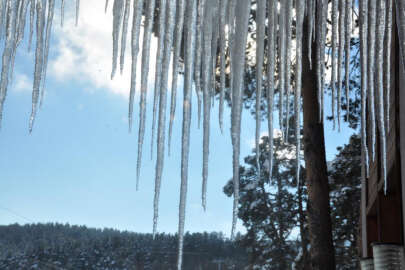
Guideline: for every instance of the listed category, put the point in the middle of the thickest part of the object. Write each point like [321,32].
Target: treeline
[59,246]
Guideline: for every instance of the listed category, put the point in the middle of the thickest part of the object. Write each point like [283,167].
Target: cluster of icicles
[214,34]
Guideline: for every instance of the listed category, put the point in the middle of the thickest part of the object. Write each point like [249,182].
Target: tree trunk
[319,219]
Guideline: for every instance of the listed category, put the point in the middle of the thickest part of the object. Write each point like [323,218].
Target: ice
[261,27]
[238,58]
[190,27]
[178,37]
[136,25]
[168,39]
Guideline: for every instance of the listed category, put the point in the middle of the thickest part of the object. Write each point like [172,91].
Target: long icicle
[7,53]
[198,53]
[342,15]
[335,7]
[300,8]
[106,6]
[238,58]
[387,61]
[231,26]
[400,18]
[158,70]
[20,28]
[190,28]
[370,71]
[118,9]
[124,34]
[2,19]
[222,44]
[62,12]
[39,59]
[136,27]
[310,18]
[168,39]
[287,64]
[147,34]
[381,13]
[281,70]
[363,7]
[214,49]
[32,18]
[51,11]
[270,77]
[323,48]
[348,32]
[178,37]
[77,11]
[206,79]
[261,28]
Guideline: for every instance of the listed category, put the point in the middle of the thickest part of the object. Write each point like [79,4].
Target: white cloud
[84,53]
[22,83]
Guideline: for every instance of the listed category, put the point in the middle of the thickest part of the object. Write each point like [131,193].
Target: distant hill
[58,246]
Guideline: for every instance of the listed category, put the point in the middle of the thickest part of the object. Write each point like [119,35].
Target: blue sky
[79,164]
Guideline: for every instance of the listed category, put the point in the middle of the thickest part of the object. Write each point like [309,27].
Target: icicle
[282,56]
[323,46]
[197,69]
[347,54]
[118,9]
[147,34]
[379,42]
[32,17]
[19,34]
[124,34]
[288,65]
[311,19]
[322,7]
[300,8]
[62,12]
[387,61]
[370,71]
[214,49]
[400,15]
[158,71]
[22,19]
[2,15]
[342,15]
[241,27]
[335,6]
[206,79]
[270,77]
[136,25]
[188,81]
[51,10]
[178,34]
[10,24]
[168,39]
[261,27]
[222,44]
[106,6]
[363,7]
[39,59]
[231,25]
[77,11]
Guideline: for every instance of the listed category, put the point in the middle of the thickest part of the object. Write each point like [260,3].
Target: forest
[63,246]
